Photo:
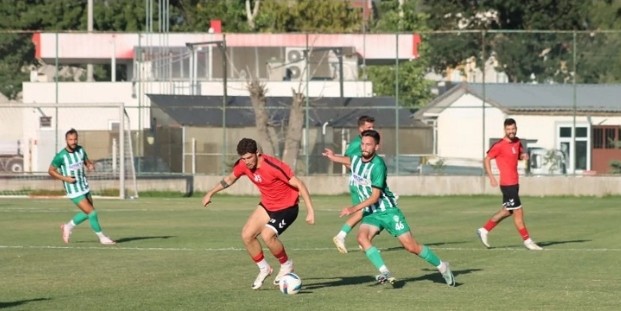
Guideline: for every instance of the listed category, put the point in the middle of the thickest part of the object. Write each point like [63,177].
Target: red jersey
[507,154]
[272,179]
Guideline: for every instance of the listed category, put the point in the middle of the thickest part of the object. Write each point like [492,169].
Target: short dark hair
[372,133]
[364,119]
[246,145]
[71,132]
[509,121]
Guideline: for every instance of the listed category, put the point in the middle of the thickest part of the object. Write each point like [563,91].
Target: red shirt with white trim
[507,154]
[272,180]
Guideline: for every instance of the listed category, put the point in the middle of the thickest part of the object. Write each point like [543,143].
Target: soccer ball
[290,284]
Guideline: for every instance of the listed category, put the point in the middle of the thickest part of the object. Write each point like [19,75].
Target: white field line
[237,249]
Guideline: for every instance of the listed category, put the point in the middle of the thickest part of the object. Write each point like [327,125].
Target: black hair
[364,119]
[509,121]
[71,132]
[371,133]
[246,145]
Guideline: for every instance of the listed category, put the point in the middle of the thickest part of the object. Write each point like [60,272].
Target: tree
[258,92]
[321,16]
[252,12]
[294,16]
[526,56]
[20,19]
[414,90]
[196,15]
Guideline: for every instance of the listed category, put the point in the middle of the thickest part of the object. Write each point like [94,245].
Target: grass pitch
[173,254]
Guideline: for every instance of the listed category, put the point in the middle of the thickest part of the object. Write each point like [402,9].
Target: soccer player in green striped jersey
[68,167]
[364,123]
[380,211]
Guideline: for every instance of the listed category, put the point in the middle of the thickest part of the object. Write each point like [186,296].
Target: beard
[367,155]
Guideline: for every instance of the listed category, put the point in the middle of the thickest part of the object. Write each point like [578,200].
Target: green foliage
[197,15]
[615,167]
[387,18]
[547,56]
[414,91]
[318,16]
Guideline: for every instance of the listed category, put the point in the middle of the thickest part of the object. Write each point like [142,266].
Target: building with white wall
[190,64]
[582,122]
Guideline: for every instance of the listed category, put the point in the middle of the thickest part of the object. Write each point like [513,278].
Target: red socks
[258,258]
[490,225]
[282,256]
[524,233]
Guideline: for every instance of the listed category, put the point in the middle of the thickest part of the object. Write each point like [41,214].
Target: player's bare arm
[372,199]
[89,165]
[328,153]
[226,182]
[310,212]
[524,156]
[52,171]
[488,170]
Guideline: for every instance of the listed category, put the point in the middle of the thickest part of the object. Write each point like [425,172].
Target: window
[606,138]
[610,139]
[598,138]
[565,132]
[575,144]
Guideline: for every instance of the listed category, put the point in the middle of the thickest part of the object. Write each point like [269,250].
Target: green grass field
[174,254]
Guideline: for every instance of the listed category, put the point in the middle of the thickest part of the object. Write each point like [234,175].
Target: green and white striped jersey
[368,175]
[72,164]
[354,147]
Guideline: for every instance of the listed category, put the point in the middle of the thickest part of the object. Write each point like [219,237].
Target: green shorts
[79,199]
[392,220]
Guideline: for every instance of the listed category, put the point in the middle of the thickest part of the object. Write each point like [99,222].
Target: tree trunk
[294,130]
[257,98]
[251,13]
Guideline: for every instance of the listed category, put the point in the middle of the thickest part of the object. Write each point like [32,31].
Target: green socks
[374,256]
[429,256]
[346,228]
[94,221]
[79,218]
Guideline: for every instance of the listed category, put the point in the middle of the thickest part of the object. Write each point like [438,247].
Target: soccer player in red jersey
[277,210]
[507,152]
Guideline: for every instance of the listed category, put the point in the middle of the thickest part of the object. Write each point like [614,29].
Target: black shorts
[511,197]
[282,219]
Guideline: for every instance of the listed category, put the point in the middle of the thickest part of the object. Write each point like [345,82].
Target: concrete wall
[443,185]
[401,185]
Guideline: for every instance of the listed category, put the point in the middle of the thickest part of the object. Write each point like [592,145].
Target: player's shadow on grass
[9,304]
[434,276]
[137,238]
[550,243]
[400,248]
[337,281]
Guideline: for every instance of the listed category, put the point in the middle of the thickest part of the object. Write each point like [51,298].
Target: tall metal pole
[306,117]
[89,28]
[484,97]
[341,78]
[56,97]
[224,100]
[575,107]
[397,98]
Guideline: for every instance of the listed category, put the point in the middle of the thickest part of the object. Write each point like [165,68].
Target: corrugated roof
[544,98]
[339,112]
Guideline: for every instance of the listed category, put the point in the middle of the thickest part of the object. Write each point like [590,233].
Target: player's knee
[363,239]
[413,248]
[248,235]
